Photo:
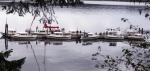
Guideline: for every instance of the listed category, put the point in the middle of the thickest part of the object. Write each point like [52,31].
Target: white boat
[46,31]
[10,33]
[75,34]
[114,35]
[58,36]
[128,32]
[101,36]
[41,33]
[89,36]
[136,36]
[23,36]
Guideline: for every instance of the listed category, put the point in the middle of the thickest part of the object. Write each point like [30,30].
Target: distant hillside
[114,0]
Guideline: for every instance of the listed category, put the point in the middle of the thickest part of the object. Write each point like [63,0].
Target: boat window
[41,31]
[23,34]
[57,34]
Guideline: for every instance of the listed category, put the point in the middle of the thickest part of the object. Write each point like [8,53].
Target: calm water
[71,56]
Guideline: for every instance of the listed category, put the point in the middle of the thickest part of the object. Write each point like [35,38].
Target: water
[71,56]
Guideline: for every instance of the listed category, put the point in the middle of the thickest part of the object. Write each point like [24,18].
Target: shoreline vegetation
[96,2]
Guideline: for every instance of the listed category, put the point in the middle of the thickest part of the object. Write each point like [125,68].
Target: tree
[135,58]
[36,7]
[6,65]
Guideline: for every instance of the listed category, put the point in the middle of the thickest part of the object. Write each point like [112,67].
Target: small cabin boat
[128,32]
[89,36]
[58,36]
[114,35]
[23,36]
[75,34]
[136,36]
[10,33]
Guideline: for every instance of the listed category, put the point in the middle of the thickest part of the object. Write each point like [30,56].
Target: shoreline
[110,3]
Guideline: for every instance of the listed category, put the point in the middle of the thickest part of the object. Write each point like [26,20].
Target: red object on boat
[53,26]
[46,26]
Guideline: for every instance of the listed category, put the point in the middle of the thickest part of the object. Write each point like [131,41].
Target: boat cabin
[22,33]
[11,31]
[85,34]
[41,31]
[138,35]
[58,33]
[90,34]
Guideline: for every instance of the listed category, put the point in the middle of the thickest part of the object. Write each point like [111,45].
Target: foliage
[14,65]
[35,7]
[135,59]
[147,7]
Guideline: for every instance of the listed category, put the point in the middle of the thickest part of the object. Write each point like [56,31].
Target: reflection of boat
[112,44]
[23,36]
[10,33]
[57,43]
[51,42]
[58,36]
[109,40]
[89,36]
[86,43]
[23,42]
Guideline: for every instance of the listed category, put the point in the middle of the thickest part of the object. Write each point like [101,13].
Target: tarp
[46,26]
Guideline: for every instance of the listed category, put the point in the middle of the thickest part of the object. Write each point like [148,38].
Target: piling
[142,31]
[6,36]
[139,30]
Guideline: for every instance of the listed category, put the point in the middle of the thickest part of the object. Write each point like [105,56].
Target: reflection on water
[51,54]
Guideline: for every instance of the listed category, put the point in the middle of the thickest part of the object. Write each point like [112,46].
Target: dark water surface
[71,56]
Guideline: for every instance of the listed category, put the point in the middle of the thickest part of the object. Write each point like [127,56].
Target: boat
[130,32]
[10,33]
[75,34]
[114,35]
[89,36]
[22,36]
[101,36]
[47,30]
[41,33]
[58,36]
[136,36]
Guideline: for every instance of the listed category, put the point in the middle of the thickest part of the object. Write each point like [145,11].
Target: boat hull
[8,35]
[28,38]
[114,37]
[135,38]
